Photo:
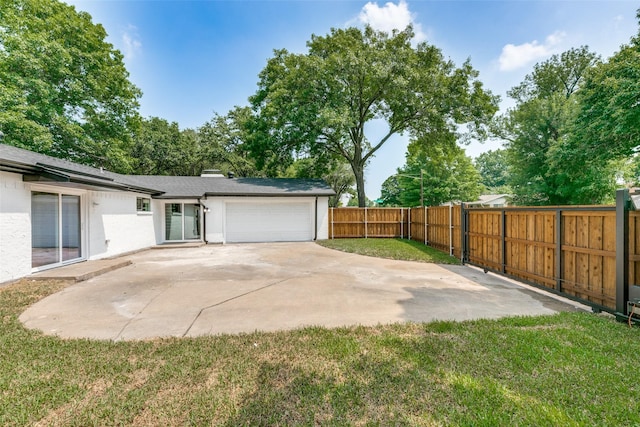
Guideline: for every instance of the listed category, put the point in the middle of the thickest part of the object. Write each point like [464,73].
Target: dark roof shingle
[17,160]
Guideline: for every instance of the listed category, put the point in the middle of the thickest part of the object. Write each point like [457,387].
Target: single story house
[490,201]
[54,212]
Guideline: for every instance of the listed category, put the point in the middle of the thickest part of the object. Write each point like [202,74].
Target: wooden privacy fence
[588,253]
[368,222]
[571,250]
[435,226]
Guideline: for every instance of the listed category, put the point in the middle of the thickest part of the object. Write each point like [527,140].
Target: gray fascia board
[164,196]
[266,195]
[74,172]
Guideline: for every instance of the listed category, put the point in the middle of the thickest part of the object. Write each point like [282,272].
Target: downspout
[315,237]
[204,219]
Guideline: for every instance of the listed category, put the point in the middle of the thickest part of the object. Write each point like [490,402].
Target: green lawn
[562,370]
[390,248]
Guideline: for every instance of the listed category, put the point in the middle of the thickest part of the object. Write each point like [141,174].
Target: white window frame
[83,212]
[143,210]
[164,220]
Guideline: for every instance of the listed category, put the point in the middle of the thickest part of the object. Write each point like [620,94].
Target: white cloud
[131,44]
[514,57]
[617,21]
[391,17]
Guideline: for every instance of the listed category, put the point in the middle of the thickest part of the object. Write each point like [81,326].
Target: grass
[570,369]
[400,249]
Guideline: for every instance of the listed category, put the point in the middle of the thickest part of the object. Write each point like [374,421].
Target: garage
[269,221]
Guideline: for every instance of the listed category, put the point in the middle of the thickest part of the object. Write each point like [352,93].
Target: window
[56,232]
[143,204]
[182,221]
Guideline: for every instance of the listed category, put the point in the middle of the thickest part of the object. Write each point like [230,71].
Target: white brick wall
[114,225]
[111,224]
[15,227]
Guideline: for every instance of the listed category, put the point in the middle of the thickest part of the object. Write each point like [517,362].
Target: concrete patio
[218,289]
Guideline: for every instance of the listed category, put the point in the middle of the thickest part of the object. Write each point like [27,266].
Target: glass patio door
[56,233]
[182,221]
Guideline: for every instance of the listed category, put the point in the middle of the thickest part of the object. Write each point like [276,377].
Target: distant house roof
[488,199]
[37,167]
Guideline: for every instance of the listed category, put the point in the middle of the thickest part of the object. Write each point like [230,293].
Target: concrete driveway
[275,286]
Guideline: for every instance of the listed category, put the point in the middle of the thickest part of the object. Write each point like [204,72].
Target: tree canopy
[336,174]
[443,172]
[321,102]
[574,134]
[223,143]
[536,128]
[608,123]
[65,90]
[596,156]
[156,148]
[493,168]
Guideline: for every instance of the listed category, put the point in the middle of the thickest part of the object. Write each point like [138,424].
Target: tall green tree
[223,142]
[494,170]
[390,192]
[634,170]
[336,174]
[443,172]
[608,123]
[320,103]
[156,148]
[64,90]
[544,115]
[597,156]
[193,160]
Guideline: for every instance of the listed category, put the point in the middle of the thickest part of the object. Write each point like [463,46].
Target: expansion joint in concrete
[203,309]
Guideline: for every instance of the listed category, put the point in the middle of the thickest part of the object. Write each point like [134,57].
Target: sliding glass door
[182,221]
[56,233]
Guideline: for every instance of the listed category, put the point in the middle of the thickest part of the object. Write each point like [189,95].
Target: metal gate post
[559,236]
[503,243]
[622,250]
[424,224]
[408,223]
[463,233]
[366,226]
[450,228]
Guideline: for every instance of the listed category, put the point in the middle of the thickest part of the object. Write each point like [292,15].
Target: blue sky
[194,58]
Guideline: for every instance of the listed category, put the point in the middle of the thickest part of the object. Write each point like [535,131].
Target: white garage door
[269,222]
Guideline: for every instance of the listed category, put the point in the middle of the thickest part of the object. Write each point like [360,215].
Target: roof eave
[257,194]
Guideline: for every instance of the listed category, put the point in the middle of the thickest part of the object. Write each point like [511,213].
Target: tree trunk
[358,171]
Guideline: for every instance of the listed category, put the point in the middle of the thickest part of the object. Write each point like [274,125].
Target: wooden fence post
[622,250]
[332,234]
